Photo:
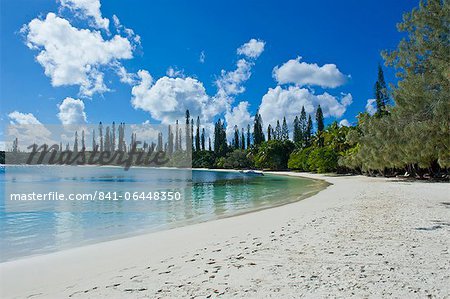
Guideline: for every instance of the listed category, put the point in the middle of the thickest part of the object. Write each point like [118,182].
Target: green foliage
[220,139]
[238,159]
[381,93]
[277,134]
[323,159]
[298,160]
[203,159]
[258,134]
[319,119]
[308,132]
[297,134]
[274,154]
[414,136]
[284,130]
[323,155]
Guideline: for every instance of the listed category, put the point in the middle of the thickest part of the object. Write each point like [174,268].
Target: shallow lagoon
[206,195]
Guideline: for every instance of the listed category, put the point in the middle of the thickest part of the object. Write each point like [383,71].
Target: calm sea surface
[206,195]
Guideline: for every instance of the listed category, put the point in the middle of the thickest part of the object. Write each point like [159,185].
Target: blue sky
[346,35]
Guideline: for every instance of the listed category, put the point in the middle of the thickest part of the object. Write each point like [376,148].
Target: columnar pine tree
[220,139]
[100,134]
[113,137]
[188,131]
[284,130]
[258,134]
[236,137]
[197,136]
[303,124]
[297,134]
[203,139]
[180,136]
[170,140]
[381,93]
[94,144]
[192,134]
[242,139]
[75,144]
[278,131]
[248,136]
[269,132]
[308,132]
[319,119]
[83,143]
[177,144]
[107,140]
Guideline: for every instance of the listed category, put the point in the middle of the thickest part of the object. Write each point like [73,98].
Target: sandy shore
[361,237]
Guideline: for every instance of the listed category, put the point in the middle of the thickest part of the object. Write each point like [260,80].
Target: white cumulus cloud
[230,83]
[345,123]
[174,72]
[371,106]
[279,102]
[71,112]
[72,56]
[305,74]
[19,118]
[28,129]
[252,49]
[239,116]
[168,99]
[87,9]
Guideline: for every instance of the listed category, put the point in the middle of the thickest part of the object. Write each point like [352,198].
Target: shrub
[323,159]
[237,159]
[274,154]
[298,160]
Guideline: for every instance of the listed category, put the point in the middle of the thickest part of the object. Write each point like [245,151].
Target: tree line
[407,134]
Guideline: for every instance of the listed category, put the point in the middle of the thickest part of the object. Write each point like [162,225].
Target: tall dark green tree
[277,135]
[284,130]
[248,136]
[203,139]
[236,137]
[258,134]
[303,124]
[220,139]
[177,144]
[170,140]
[297,134]
[242,139]
[381,93]
[188,132]
[319,119]
[83,142]
[192,134]
[308,132]
[100,134]
[269,133]
[197,136]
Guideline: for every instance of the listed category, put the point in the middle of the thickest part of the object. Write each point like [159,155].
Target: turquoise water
[206,195]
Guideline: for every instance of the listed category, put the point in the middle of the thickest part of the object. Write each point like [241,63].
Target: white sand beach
[361,237]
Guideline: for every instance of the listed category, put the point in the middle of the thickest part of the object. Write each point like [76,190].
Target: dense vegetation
[409,133]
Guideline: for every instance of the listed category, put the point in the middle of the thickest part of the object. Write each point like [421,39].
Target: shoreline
[305,231]
[321,185]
